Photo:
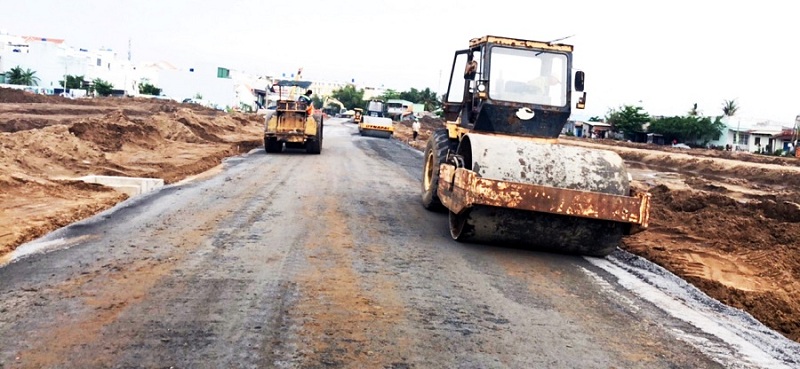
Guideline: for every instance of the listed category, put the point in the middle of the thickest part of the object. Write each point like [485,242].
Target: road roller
[293,123]
[498,169]
[375,123]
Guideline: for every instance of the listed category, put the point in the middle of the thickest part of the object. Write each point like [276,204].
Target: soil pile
[46,140]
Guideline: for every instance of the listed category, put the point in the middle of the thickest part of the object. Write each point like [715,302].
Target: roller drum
[543,163]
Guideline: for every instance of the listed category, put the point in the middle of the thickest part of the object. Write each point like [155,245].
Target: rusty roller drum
[544,163]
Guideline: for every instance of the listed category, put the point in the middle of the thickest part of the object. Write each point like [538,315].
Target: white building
[747,134]
[218,85]
[52,59]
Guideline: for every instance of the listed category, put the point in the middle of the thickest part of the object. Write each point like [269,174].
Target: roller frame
[460,188]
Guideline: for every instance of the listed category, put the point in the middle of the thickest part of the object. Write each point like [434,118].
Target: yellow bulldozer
[293,122]
[498,169]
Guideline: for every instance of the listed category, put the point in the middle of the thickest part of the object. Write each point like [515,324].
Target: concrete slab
[132,186]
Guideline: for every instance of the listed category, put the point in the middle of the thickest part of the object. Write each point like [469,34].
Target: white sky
[667,54]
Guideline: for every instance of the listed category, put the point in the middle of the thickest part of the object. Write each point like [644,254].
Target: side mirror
[579,80]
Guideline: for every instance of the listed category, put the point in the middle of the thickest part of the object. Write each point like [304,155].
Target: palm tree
[694,112]
[17,76]
[729,108]
[429,99]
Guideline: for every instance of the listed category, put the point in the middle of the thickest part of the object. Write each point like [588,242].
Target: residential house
[753,135]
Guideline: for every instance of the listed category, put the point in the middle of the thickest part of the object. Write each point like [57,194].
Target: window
[455,93]
[223,73]
[528,76]
[743,139]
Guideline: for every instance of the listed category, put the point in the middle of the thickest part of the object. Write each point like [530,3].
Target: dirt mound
[45,142]
[22,204]
[114,130]
[14,96]
[741,253]
[700,152]
[428,124]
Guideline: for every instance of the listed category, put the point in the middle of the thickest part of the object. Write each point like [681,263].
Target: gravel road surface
[329,261]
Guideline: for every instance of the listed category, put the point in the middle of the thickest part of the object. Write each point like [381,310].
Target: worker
[415,128]
[306,98]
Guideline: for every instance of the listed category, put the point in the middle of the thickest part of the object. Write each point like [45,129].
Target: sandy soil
[47,140]
[727,222]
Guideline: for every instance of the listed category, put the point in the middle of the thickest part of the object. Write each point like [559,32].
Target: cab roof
[516,42]
[287,83]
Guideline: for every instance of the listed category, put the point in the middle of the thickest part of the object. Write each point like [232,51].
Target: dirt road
[295,260]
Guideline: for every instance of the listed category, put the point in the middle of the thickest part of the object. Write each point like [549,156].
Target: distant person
[415,129]
[306,98]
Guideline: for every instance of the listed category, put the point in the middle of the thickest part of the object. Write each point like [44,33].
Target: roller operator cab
[375,123]
[498,169]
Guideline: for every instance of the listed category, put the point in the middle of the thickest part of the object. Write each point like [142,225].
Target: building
[753,135]
[587,129]
[215,84]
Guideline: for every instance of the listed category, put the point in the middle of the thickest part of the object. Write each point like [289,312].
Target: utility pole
[439,89]
[66,66]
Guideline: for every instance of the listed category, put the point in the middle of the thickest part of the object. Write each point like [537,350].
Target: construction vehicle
[293,122]
[358,115]
[497,167]
[332,101]
[375,123]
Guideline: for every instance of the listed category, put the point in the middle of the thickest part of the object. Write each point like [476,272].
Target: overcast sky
[664,56]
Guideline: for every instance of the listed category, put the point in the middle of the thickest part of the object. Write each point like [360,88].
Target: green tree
[627,119]
[316,101]
[689,128]
[425,97]
[102,87]
[429,99]
[145,88]
[73,82]
[729,108]
[595,119]
[18,76]
[390,94]
[350,96]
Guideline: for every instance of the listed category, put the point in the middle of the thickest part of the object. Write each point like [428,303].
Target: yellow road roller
[498,169]
[375,123]
[293,123]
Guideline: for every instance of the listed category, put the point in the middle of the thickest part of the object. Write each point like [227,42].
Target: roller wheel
[272,145]
[537,231]
[315,146]
[435,154]
[459,226]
